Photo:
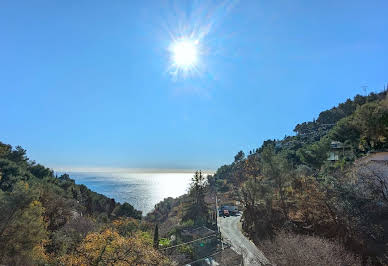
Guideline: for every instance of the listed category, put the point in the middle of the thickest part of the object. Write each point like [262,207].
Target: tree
[366,129]
[314,155]
[18,155]
[363,205]
[41,214]
[196,208]
[127,227]
[127,210]
[40,171]
[239,156]
[372,121]
[156,237]
[11,172]
[22,228]
[110,248]
[278,172]
[256,195]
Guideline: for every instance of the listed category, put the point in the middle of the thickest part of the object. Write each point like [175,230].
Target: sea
[142,190]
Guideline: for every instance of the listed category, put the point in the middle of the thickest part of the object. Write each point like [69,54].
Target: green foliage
[164,242]
[239,156]
[186,249]
[314,155]
[41,214]
[187,224]
[156,236]
[277,171]
[346,130]
[260,195]
[291,184]
[39,171]
[163,209]
[22,229]
[366,129]
[196,208]
[11,172]
[126,210]
[331,116]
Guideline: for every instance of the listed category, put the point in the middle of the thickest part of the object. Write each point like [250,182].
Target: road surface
[231,232]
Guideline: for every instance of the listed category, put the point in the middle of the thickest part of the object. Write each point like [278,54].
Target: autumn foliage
[111,248]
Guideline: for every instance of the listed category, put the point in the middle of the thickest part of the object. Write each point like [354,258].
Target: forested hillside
[311,198]
[312,195]
[292,185]
[51,220]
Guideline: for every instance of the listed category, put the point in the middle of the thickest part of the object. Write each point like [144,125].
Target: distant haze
[113,170]
[142,190]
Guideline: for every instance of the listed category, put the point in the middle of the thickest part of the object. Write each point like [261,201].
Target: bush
[292,249]
[164,242]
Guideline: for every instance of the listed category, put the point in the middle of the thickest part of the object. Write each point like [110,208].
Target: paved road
[231,231]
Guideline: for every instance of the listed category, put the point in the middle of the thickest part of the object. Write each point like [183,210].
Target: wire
[188,242]
[204,257]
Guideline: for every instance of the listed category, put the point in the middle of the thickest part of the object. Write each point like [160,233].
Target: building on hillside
[226,257]
[338,150]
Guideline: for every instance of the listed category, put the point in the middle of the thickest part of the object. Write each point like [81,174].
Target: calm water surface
[142,190]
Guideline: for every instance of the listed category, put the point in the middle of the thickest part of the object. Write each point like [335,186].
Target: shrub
[292,249]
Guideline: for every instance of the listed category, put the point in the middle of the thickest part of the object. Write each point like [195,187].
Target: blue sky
[87,83]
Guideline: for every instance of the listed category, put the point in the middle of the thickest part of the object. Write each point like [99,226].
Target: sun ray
[184,56]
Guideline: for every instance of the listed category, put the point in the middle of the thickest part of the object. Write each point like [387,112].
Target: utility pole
[218,228]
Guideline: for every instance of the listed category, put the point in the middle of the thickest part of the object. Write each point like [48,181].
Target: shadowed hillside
[313,185]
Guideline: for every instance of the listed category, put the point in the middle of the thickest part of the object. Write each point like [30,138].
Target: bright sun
[184,53]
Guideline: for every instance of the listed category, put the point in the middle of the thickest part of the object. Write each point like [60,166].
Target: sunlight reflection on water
[142,190]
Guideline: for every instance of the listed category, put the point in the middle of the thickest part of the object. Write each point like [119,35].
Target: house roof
[226,257]
[201,231]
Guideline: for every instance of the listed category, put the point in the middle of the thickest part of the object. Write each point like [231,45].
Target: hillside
[288,188]
[49,220]
[291,185]
[321,193]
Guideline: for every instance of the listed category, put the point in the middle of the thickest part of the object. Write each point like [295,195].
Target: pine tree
[156,237]
[196,208]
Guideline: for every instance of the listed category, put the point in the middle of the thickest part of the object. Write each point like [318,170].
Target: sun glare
[184,55]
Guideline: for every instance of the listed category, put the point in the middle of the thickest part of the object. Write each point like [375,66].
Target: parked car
[232,210]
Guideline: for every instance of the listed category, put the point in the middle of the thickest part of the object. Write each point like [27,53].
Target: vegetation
[196,208]
[298,203]
[110,248]
[289,184]
[307,209]
[289,190]
[156,237]
[48,220]
[185,219]
[302,250]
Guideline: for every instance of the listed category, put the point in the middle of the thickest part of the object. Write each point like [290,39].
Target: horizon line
[65,169]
